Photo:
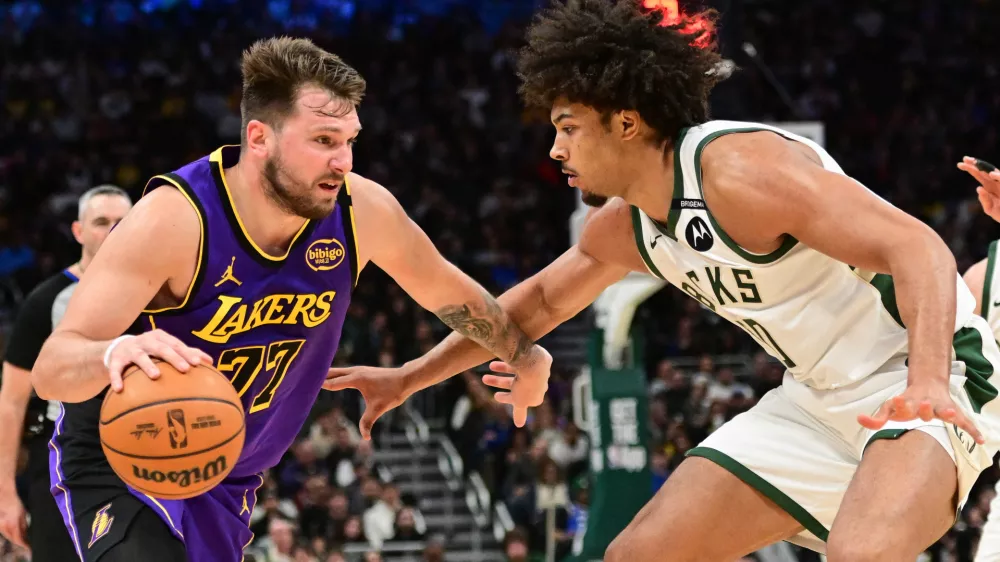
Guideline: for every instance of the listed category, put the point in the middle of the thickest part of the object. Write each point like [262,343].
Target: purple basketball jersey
[272,325]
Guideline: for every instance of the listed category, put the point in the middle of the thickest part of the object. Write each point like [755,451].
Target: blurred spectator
[279,544]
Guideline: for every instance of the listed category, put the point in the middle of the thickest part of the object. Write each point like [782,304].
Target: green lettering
[744,280]
[717,287]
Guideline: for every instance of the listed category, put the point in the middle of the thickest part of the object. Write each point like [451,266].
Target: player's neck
[652,188]
[266,223]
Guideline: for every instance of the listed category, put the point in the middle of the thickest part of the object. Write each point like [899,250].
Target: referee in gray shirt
[24,417]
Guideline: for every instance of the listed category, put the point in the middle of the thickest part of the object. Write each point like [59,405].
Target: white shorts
[800,446]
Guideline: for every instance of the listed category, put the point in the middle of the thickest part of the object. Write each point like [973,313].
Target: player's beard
[291,195]
[593,200]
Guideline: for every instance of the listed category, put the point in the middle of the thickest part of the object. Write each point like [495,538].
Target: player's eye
[353,141]
[324,140]
[568,129]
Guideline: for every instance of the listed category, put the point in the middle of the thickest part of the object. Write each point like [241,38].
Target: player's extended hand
[989,184]
[526,389]
[13,519]
[924,402]
[383,390]
[141,349]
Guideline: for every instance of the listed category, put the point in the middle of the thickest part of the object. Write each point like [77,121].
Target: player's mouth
[572,178]
[329,186]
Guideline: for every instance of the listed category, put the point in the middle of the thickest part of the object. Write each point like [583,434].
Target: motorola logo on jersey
[177,429]
[698,235]
[324,255]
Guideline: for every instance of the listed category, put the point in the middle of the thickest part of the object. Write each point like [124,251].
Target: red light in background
[698,26]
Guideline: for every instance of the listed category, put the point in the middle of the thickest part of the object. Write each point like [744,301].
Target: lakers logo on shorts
[325,254]
[101,525]
[177,429]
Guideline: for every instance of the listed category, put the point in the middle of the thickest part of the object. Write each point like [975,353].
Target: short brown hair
[275,69]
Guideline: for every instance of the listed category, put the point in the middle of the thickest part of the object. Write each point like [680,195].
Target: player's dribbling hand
[526,389]
[989,184]
[383,390]
[140,351]
[919,401]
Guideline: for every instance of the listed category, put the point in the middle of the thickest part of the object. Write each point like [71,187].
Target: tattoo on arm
[488,325]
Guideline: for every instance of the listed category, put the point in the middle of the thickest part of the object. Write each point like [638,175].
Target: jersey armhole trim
[199,271]
[675,210]
[346,204]
[991,261]
[789,242]
[637,230]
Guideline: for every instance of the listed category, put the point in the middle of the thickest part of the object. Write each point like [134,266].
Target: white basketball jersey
[829,323]
[990,307]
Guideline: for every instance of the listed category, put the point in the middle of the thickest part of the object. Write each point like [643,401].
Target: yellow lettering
[302,305]
[230,319]
[255,317]
[275,308]
[226,303]
[235,323]
[323,304]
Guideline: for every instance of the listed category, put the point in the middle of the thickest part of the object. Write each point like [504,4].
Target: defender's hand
[383,390]
[989,184]
[13,518]
[526,389]
[140,350]
[922,402]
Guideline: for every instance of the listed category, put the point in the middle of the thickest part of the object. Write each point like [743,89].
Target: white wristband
[111,347]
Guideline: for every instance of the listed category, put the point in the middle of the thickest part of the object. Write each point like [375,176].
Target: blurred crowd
[329,492]
[90,93]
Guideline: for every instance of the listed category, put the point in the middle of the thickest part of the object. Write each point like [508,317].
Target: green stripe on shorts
[968,344]
[752,479]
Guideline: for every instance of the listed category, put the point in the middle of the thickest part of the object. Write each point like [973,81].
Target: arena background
[115,91]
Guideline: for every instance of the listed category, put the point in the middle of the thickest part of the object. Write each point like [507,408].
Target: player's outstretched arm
[834,214]
[606,252]
[391,240]
[157,239]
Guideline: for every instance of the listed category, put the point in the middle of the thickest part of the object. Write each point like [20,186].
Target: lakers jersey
[828,322]
[271,323]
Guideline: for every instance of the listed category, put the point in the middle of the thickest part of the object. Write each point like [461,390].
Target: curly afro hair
[615,55]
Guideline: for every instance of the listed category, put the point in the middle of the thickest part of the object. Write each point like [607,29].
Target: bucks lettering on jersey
[829,323]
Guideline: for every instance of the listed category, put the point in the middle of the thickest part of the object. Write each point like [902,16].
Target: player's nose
[558,153]
[341,164]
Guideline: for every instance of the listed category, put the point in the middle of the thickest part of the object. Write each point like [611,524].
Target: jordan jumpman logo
[246,508]
[228,275]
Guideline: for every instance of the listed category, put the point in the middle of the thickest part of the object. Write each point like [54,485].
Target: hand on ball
[140,351]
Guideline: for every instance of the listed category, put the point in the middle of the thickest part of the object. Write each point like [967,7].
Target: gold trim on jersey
[354,231]
[201,244]
[216,158]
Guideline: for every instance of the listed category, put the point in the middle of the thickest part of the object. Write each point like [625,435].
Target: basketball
[175,437]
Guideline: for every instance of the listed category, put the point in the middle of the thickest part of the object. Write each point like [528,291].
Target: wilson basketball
[174,437]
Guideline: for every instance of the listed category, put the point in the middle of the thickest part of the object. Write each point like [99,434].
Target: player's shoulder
[608,227]
[370,197]
[165,205]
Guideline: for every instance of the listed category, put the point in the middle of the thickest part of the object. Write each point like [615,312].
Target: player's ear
[77,228]
[257,136]
[628,122]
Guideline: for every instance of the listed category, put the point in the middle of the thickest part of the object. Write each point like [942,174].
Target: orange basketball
[174,437]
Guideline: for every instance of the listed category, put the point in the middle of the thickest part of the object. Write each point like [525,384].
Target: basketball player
[246,258]
[984,281]
[27,417]
[886,414]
